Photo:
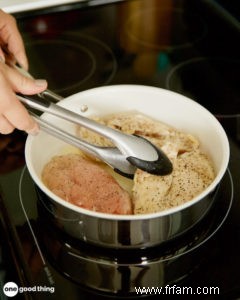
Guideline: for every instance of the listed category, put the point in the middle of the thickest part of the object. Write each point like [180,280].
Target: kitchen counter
[14,6]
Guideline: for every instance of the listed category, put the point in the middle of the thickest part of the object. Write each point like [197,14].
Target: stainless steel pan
[130,231]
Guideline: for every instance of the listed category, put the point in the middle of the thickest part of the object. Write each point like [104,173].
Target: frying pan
[130,231]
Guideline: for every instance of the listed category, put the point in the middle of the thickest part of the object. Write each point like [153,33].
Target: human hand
[12,113]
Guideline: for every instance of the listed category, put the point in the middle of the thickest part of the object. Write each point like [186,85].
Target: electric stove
[190,47]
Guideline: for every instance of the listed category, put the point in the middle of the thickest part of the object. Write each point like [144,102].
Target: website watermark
[11,289]
[177,290]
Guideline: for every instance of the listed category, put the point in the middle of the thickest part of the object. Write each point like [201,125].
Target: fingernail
[40,82]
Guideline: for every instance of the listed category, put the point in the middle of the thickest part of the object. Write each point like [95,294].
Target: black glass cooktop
[184,46]
[188,47]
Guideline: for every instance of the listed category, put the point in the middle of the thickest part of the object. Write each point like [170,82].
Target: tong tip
[161,166]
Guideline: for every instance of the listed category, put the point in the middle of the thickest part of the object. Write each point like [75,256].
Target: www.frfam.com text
[177,290]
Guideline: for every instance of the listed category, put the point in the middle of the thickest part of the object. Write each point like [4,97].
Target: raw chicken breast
[86,184]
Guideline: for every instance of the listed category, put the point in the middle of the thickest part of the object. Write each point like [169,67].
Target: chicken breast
[192,173]
[149,192]
[86,184]
[157,132]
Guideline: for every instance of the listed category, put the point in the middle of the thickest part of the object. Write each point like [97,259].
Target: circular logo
[10,289]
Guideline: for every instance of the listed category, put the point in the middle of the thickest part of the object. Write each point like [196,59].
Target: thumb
[29,86]
[24,84]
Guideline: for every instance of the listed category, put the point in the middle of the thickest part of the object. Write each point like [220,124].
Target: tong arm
[140,152]
[129,145]
[110,155]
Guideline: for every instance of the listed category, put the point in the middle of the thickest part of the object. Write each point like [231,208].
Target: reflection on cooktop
[178,46]
[168,28]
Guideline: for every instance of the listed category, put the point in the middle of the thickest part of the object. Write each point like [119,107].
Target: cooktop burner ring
[216,94]
[88,55]
[81,60]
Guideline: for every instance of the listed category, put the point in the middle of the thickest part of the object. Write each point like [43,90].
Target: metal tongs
[130,151]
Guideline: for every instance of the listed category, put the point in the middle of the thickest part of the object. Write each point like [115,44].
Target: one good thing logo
[10,289]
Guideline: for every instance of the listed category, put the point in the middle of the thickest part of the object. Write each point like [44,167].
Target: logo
[10,289]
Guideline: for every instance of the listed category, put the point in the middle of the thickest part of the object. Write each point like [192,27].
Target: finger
[8,57]
[11,36]
[18,117]
[23,84]
[13,111]
[5,126]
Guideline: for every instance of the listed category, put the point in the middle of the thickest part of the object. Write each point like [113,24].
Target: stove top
[49,258]
[186,47]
